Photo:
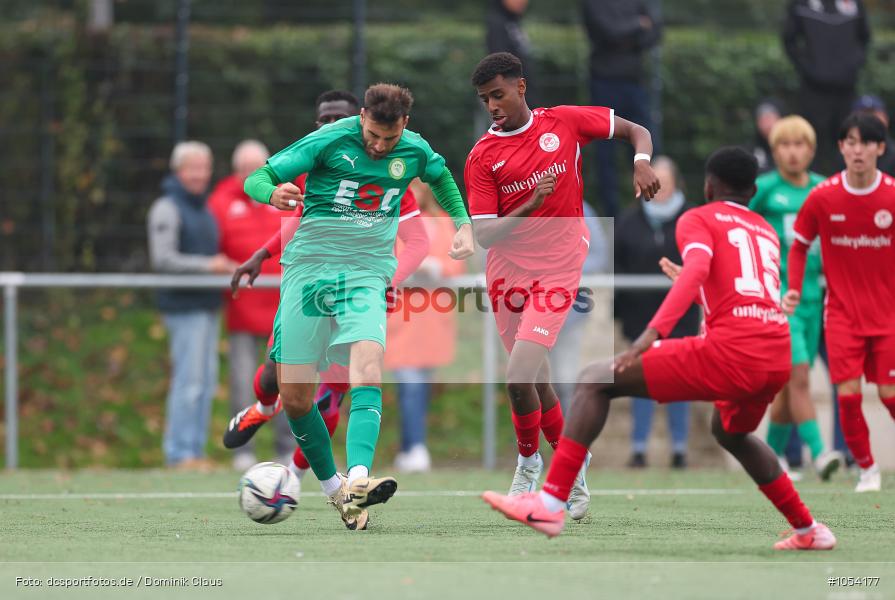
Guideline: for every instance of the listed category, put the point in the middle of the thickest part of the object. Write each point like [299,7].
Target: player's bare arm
[489,231]
[250,269]
[640,345]
[646,183]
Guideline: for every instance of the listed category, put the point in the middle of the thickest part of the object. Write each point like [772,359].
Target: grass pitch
[656,534]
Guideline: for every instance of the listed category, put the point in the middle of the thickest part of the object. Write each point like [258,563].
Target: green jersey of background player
[336,271]
[780,195]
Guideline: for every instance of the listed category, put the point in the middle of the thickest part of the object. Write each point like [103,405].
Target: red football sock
[528,428]
[265,398]
[564,468]
[298,458]
[854,429]
[551,424]
[890,404]
[784,496]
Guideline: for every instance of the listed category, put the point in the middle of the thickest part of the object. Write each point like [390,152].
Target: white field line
[406,494]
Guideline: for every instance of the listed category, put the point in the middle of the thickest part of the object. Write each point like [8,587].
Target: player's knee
[849,388]
[367,373]
[589,391]
[296,404]
[728,441]
[519,389]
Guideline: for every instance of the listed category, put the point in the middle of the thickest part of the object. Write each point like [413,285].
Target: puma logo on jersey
[540,330]
[837,218]
[351,160]
[498,165]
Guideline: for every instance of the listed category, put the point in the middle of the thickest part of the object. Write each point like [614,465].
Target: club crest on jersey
[549,142]
[397,168]
[883,219]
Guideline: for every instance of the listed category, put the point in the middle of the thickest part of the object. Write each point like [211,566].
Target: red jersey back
[504,167]
[741,295]
[856,240]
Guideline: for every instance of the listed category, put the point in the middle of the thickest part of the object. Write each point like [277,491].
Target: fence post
[359,49]
[181,70]
[489,399]
[10,351]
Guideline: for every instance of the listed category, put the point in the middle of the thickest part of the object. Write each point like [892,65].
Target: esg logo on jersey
[367,197]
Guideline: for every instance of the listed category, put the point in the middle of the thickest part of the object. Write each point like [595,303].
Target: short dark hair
[868,125]
[734,167]
[499,63]
[337,96]
[387,103]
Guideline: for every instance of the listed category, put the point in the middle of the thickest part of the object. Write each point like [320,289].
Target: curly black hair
[734,167]
[499,63]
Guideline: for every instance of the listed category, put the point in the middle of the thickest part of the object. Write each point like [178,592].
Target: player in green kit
[336,270]
[780,195]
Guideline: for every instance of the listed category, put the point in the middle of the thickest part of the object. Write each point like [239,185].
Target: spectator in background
[875,105]
[416,347]
[504,33]
[767,113]
[827,42]
[183,238]
[644,234]
[244,226]
[620,32]
[565,357]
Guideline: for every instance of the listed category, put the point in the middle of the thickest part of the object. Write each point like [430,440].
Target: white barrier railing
[12,281]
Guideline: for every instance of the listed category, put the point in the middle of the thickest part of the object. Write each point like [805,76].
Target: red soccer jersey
[856,240]
[504,167]
[741,291]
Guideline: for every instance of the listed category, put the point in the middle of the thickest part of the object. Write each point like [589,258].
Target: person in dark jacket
[183,238]
[643,235]
[827,42]
[504,33]
[876,106]
[767,113]
[620,32]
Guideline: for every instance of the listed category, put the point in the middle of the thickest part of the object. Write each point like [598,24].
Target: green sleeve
[302,155]
[448,196]
[433,166]
[261,184]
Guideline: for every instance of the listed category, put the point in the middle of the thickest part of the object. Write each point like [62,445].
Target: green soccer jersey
[352,202]
[778,201]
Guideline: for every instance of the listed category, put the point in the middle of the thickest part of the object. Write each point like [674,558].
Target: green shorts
[804,326]
[323,310]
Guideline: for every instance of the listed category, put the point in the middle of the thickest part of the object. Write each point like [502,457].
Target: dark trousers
[630,101]
[826,110]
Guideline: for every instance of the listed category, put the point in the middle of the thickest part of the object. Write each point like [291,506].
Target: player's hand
[791,301]
[463,245]
[221,264]
[646,184]
[545,187]
[640,345]
[286,196]
[250,269]
[671,269]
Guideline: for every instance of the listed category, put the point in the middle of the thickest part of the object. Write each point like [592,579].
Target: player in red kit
[731,266]
[852,213]
[525,192]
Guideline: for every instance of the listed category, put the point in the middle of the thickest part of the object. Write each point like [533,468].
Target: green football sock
[363,426]
[311,434]
[810,434]
[778,436]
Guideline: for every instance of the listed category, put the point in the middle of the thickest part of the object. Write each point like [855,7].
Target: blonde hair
[189,148]
[793,128]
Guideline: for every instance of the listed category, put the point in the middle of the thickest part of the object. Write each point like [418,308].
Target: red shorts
[692,368]
[853,355]
[530,307]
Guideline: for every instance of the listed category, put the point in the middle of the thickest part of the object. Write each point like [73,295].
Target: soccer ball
[268,492]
